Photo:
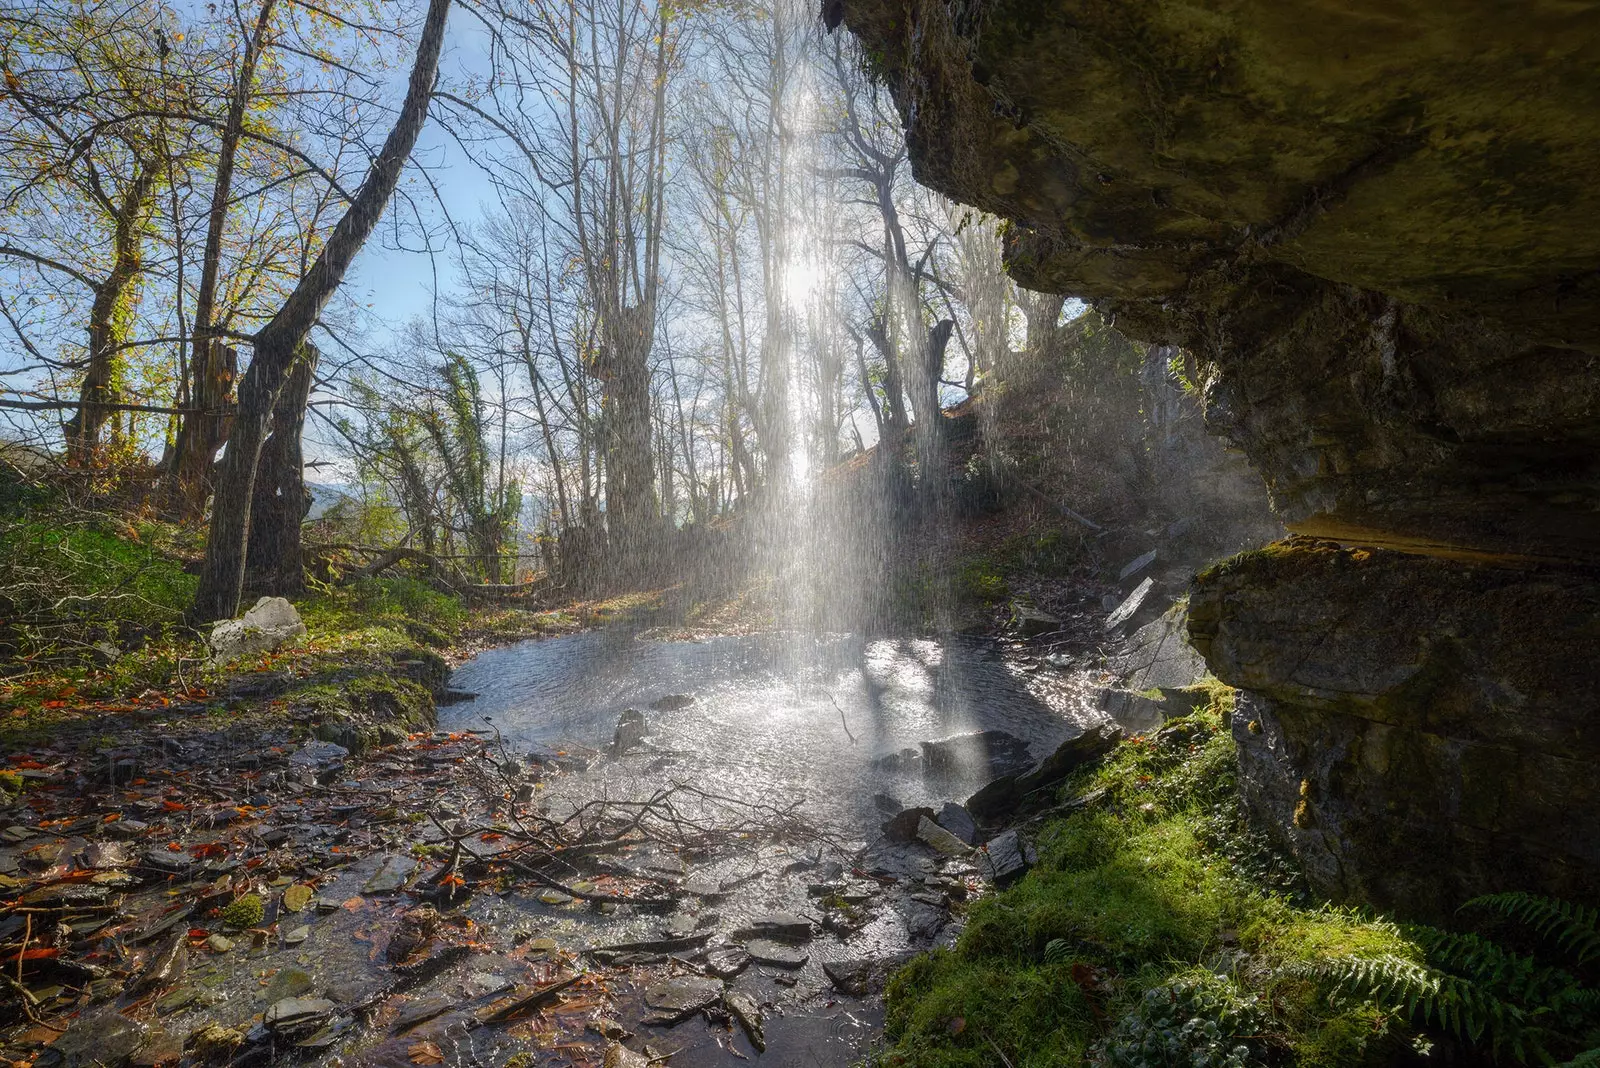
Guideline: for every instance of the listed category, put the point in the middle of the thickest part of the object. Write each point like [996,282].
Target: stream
[828,726]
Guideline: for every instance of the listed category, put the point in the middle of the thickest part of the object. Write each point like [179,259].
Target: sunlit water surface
[766,720]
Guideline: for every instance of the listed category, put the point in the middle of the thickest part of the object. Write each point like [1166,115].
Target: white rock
[271,624]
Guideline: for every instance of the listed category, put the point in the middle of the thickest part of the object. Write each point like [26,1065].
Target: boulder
[1003,795]
[980,753]
[940,840]
[672,702]
[902,827]
[958,821]
[1418,731]
[270,625]
[629,733]
[863,976]
[1007,858]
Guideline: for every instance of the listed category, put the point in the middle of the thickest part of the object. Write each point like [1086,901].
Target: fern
[1589,1058]
[1426,995]
[1573,929]
[1510,975]
[1056,950]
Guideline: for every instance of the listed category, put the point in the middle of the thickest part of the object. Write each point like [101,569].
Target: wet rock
[214,1044]
[393,872]
[318,761]
[777,954]
[415,930]
[940,840]
[678,999]
[103,856]
[1131,608]
[219,943]
[486,984]
[106,1040]
[747,1012]
[672,702]
[924,919]
[903,827]
[778,926]
[905,761]
[1136,565]
[1007,858]
[298,1015]
[297,935]
[630,731]
[166,967]
[887,805]
[958,821]
[1030,622]
[288,983]
[271,624]
[1004,795]
[619,1056]
[680,925]
[297,897]
[991,752]
[863,976]
[725,962]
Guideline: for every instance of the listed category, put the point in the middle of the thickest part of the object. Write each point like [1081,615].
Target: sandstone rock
[1404,708]
[270,625]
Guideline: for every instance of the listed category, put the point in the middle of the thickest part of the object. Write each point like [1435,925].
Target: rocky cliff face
[1376,225]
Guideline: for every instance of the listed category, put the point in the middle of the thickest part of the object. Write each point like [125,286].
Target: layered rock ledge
[1376,230]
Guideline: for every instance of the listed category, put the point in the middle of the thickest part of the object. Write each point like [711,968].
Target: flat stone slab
[777,954]
[392,874]
[940,840]
[863,976]
[678,999]
[778,927]
[727,961]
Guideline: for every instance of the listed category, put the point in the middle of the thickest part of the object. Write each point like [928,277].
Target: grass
[1153,923]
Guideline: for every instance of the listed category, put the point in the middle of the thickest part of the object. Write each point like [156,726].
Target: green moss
[247,910]
[1158,888]
[10,782]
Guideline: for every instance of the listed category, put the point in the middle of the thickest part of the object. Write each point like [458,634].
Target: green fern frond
[1573,929]
[1425,994]
[1513,976]
[1589,1058]
[1056,950]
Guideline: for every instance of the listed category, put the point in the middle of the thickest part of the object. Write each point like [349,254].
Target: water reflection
[767,715]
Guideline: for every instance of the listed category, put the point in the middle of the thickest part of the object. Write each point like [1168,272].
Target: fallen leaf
[425,1053]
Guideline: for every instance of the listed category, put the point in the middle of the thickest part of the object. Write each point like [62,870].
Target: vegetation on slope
[1157,930]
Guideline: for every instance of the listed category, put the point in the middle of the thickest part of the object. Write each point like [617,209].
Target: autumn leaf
[425,1053]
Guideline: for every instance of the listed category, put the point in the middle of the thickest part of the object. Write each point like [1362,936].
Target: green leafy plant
[1570,928]
[1199,1020]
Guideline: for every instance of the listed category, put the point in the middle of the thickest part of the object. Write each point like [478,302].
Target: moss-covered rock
[363,712]
[1418,730]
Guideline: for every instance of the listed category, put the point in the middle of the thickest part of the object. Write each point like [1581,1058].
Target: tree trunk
[222,575]
[108,320]
[203,431]
[630,461]
[198,436]
[280,502]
